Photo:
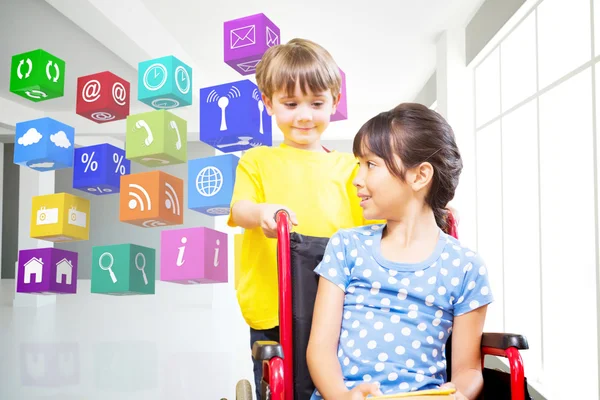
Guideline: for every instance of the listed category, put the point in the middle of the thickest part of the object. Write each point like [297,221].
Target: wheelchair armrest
[504,340]
[264,350]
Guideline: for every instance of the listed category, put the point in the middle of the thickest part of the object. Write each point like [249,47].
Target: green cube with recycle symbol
[123,269]
[37,75]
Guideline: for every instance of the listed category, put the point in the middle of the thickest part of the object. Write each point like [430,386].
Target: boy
[300,85]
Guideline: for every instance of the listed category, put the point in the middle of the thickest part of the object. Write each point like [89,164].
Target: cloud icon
[32,136]
[60,139]
[42,165]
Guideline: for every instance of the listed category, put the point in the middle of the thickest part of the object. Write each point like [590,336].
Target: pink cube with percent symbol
[246,40]
[193,256]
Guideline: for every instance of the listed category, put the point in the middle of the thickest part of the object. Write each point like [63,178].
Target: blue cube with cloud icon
[44,144]
[233,117]
[210,184]
[98,169]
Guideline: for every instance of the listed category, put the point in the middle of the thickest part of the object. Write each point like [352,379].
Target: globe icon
[209,181]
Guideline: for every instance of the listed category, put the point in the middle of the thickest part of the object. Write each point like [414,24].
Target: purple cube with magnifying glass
[246,40]
[123,269]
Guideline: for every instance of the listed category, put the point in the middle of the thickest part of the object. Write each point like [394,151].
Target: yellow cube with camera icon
[60,217]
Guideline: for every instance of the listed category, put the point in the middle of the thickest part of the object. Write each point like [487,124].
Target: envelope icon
[248,66]
[242,37]
[272,38]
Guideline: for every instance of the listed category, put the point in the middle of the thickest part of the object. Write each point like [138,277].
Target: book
[430,394]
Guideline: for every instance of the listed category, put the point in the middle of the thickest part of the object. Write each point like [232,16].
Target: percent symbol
[120,167]
[99,190]
[87,159]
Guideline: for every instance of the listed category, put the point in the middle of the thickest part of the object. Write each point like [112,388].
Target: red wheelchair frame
[278,369]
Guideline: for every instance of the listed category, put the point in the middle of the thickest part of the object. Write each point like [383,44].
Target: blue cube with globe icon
[164,83]
[211,181]
[233,117]
[98,169]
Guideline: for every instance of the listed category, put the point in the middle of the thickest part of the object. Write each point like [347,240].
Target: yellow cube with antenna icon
[60,217]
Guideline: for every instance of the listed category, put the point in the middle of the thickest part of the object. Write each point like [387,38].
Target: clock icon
[155,77]
[182,80]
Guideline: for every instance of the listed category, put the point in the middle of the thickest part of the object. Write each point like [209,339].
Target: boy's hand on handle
[267,218]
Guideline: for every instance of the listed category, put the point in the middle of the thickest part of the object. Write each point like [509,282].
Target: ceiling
[386,48]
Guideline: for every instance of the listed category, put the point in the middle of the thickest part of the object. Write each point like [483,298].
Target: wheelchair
[285,370]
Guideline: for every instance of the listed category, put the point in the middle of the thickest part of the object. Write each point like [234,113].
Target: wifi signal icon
[223,102]
[172,201]
[256,95]
[137,199]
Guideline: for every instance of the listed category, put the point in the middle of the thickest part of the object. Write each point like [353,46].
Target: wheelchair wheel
[243,390]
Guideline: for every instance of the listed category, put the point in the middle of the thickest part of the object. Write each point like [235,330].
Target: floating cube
[60,217]
[156,139]
[47,270]
[341,112]
[98,169]
[37,75]
[49,364]
[44,144]
[102,97]
[151,199]
[193,255]
[123,269]
[246,40]
[210,184]
[233,117]
[164,83]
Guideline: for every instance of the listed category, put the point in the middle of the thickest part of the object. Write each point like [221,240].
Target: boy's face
[302,118]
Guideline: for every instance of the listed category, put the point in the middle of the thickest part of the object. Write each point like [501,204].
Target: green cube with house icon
[37,75]
[123,269]
[156,138]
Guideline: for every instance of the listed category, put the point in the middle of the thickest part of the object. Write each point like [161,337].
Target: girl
[390,294]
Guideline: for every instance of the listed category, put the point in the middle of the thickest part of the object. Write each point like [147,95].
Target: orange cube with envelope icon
[151,199]
[60,217]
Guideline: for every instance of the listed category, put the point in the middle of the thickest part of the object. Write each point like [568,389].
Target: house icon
[64,268]
[33,266]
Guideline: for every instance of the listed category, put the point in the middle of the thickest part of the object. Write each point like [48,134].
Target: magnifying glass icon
[109,267]
[141,267]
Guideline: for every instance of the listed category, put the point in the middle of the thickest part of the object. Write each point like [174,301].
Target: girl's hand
[361,392]
[457,395]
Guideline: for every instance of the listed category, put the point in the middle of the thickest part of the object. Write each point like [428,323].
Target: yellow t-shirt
[316,186]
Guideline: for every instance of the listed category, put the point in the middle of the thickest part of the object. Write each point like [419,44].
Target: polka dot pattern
[397,317]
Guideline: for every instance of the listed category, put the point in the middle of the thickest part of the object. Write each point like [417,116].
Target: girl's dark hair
[415,134]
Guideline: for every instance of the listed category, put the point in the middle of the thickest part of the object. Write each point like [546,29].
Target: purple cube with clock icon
[165,83]
[98,169]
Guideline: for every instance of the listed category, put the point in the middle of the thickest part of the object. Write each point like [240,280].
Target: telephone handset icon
[142,124]
[174,126]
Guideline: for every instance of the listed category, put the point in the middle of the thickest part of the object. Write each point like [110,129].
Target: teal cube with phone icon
[165,83]
[123,269]
[156,139]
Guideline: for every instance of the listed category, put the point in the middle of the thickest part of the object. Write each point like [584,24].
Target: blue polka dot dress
[397,317]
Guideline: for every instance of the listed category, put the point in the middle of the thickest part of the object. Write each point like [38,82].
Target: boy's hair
[416,134]
[301,61]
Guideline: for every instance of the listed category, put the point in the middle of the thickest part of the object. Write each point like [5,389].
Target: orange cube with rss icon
[151,199]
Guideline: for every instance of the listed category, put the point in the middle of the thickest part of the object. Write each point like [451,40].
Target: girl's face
[383,195]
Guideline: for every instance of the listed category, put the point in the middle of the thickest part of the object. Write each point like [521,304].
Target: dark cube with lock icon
[164,83]
[102,97]
[233,117]
[98,169]
[123,269]
[37,75]
[156,138]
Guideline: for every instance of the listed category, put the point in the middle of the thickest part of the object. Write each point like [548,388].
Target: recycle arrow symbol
[55,68]
[29,65]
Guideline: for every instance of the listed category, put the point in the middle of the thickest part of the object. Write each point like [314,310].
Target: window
[537,187]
